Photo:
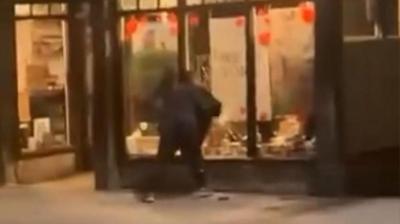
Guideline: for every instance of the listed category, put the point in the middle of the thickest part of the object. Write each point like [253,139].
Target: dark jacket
[180,104]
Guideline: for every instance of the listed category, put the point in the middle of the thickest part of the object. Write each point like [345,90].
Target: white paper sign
[228,63]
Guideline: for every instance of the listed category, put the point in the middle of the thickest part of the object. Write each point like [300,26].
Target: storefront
[46,90]
[257,57]
[83,88]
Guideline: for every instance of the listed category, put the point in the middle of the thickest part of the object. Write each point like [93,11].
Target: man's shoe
[149,198]
[203,193]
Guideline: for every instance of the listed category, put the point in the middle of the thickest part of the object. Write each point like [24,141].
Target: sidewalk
[73,201]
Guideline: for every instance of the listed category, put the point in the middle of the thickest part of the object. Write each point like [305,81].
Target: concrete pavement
[73,201]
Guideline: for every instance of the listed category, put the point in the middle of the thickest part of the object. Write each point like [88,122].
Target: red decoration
[143,19]
[262,11]
[307,12]
[264,38]
[194,20]
[158,18]
[240,21]
[131,27]
[172,18]
[173,29]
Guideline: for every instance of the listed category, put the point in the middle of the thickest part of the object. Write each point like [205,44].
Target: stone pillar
[329,167]
[8,94]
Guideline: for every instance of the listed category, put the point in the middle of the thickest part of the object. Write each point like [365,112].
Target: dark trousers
[183,135]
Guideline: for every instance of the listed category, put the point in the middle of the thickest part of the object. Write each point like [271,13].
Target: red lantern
[240,21]
[131,27]
[194,20]
[264,38]
[307,12]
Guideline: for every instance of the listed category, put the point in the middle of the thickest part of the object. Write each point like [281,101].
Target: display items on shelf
[42,87]
[288,140]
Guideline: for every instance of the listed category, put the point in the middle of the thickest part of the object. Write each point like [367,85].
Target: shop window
[127,4]
[40,9]
[148,4]
[42,86]
[149,48]
[284,80]
[217,50]
[22,9]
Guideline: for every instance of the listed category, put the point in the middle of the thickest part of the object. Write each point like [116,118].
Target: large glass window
[42,83]
[216,54]
[149,47]
[284,61]
[284,79]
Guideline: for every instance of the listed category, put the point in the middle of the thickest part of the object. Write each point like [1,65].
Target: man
[181,128]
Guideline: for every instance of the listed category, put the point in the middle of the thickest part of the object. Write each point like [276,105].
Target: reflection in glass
[149,47]
[41,72]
